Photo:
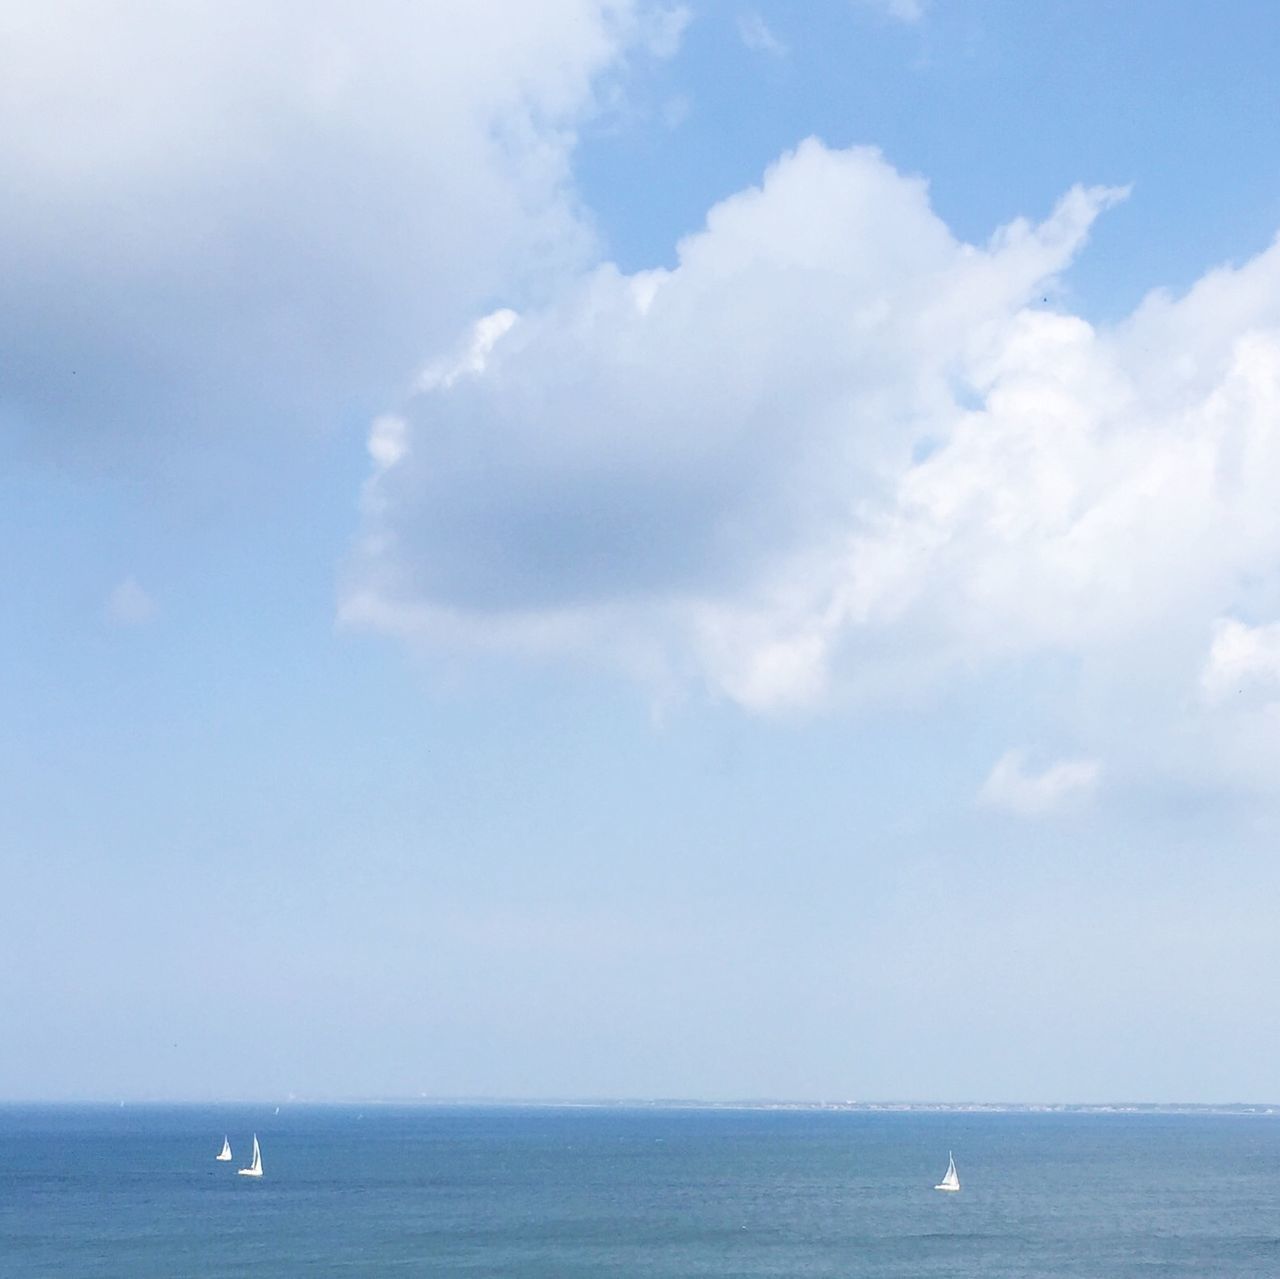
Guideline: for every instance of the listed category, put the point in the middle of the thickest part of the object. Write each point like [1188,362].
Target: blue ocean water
[576,1193]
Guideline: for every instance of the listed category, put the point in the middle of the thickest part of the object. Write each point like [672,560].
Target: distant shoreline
[862,1107]
[1244,1109]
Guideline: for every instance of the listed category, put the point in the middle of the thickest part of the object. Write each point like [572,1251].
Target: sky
[629,549]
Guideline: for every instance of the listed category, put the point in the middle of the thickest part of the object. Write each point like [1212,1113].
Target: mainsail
[952,1180]
[255,1167]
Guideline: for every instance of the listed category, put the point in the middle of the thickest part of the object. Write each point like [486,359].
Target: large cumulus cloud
[837,451]
[705,440]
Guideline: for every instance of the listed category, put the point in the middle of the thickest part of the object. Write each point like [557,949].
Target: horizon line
[877,1105]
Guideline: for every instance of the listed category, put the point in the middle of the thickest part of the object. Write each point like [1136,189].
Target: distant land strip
[858,1107]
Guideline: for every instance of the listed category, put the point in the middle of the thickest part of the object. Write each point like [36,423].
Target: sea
[638,1193]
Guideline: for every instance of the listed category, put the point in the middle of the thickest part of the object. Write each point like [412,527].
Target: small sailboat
[255,1167]
[952,1180]
[224,1155]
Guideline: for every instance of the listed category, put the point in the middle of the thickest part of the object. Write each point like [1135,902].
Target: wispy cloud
[663,29]
[129,605]
[755,33]
[675,110]
[900,10]
[906,10]
[1015,788]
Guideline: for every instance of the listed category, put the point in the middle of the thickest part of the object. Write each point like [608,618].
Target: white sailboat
[224,1155]
[255,1167]
[952,1180]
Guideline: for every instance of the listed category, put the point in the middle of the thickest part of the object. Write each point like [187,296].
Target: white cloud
[835,452]
[471,359]
[1243,661]
[387,438]
[681,458]
[754,32]
[1013,787]
[220,214]
[129,605]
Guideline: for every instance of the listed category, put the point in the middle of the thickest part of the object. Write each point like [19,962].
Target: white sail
[952,1180]
[255,1167]
[224,1155]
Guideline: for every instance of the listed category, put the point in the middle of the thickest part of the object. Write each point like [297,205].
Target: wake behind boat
[224,1155]
[255,1167]
[952,1180]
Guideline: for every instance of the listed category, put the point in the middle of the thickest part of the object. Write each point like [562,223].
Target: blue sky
[639,551]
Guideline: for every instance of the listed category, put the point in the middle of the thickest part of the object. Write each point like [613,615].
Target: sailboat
[255,1167]
[952,1180]
[224,1155]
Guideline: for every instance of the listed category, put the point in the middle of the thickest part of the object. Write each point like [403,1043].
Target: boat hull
[249,1172]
